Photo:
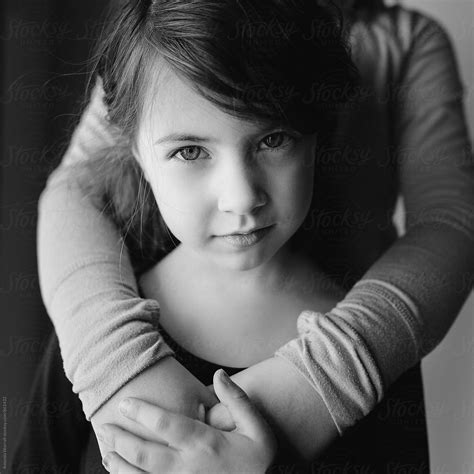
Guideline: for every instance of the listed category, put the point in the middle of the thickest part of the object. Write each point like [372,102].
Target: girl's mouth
[247,240]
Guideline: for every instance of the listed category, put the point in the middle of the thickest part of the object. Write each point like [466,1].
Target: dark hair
[253,59]
[369,4]
[355,6]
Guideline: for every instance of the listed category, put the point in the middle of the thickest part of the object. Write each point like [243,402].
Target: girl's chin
[239,262]
[265,258]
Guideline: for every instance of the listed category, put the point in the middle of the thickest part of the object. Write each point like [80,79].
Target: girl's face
[213,174]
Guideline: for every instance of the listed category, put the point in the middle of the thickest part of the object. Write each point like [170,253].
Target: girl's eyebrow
[183,137]
[180,137]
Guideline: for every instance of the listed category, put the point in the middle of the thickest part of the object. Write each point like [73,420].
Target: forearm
[108,335]
[167,384]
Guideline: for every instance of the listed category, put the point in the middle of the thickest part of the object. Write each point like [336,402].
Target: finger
[247,418]
[143,454]
[220,418]
[175,429]
[116,465]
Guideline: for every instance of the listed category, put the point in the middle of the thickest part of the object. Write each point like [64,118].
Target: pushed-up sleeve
[107,333]
[406,302]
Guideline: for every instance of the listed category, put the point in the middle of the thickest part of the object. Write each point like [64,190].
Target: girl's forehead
[172,106]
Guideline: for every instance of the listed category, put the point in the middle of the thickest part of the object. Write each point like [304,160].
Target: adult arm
[108,335]
[407,301]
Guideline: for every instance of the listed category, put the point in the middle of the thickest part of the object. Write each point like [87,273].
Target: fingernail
[105,462]
[224,377]
[124,406]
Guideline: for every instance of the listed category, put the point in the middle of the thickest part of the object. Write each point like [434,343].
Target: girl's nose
[240,188]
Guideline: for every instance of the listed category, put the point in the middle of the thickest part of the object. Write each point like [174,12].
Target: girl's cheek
[179,191]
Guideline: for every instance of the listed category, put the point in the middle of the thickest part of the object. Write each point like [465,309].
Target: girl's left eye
[276,140]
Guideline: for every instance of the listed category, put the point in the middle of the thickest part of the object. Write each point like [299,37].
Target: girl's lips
[247,240]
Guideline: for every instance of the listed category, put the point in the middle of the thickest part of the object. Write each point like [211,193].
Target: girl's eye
[189,153]
[276,140]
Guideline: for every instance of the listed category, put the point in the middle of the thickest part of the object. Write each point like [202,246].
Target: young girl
[380,234]
[233,183]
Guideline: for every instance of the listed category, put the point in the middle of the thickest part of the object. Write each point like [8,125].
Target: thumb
[219,417]
[247,418]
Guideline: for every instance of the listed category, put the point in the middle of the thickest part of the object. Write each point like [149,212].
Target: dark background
[43,64]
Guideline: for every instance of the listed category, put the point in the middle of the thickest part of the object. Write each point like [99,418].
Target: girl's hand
[193,446]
